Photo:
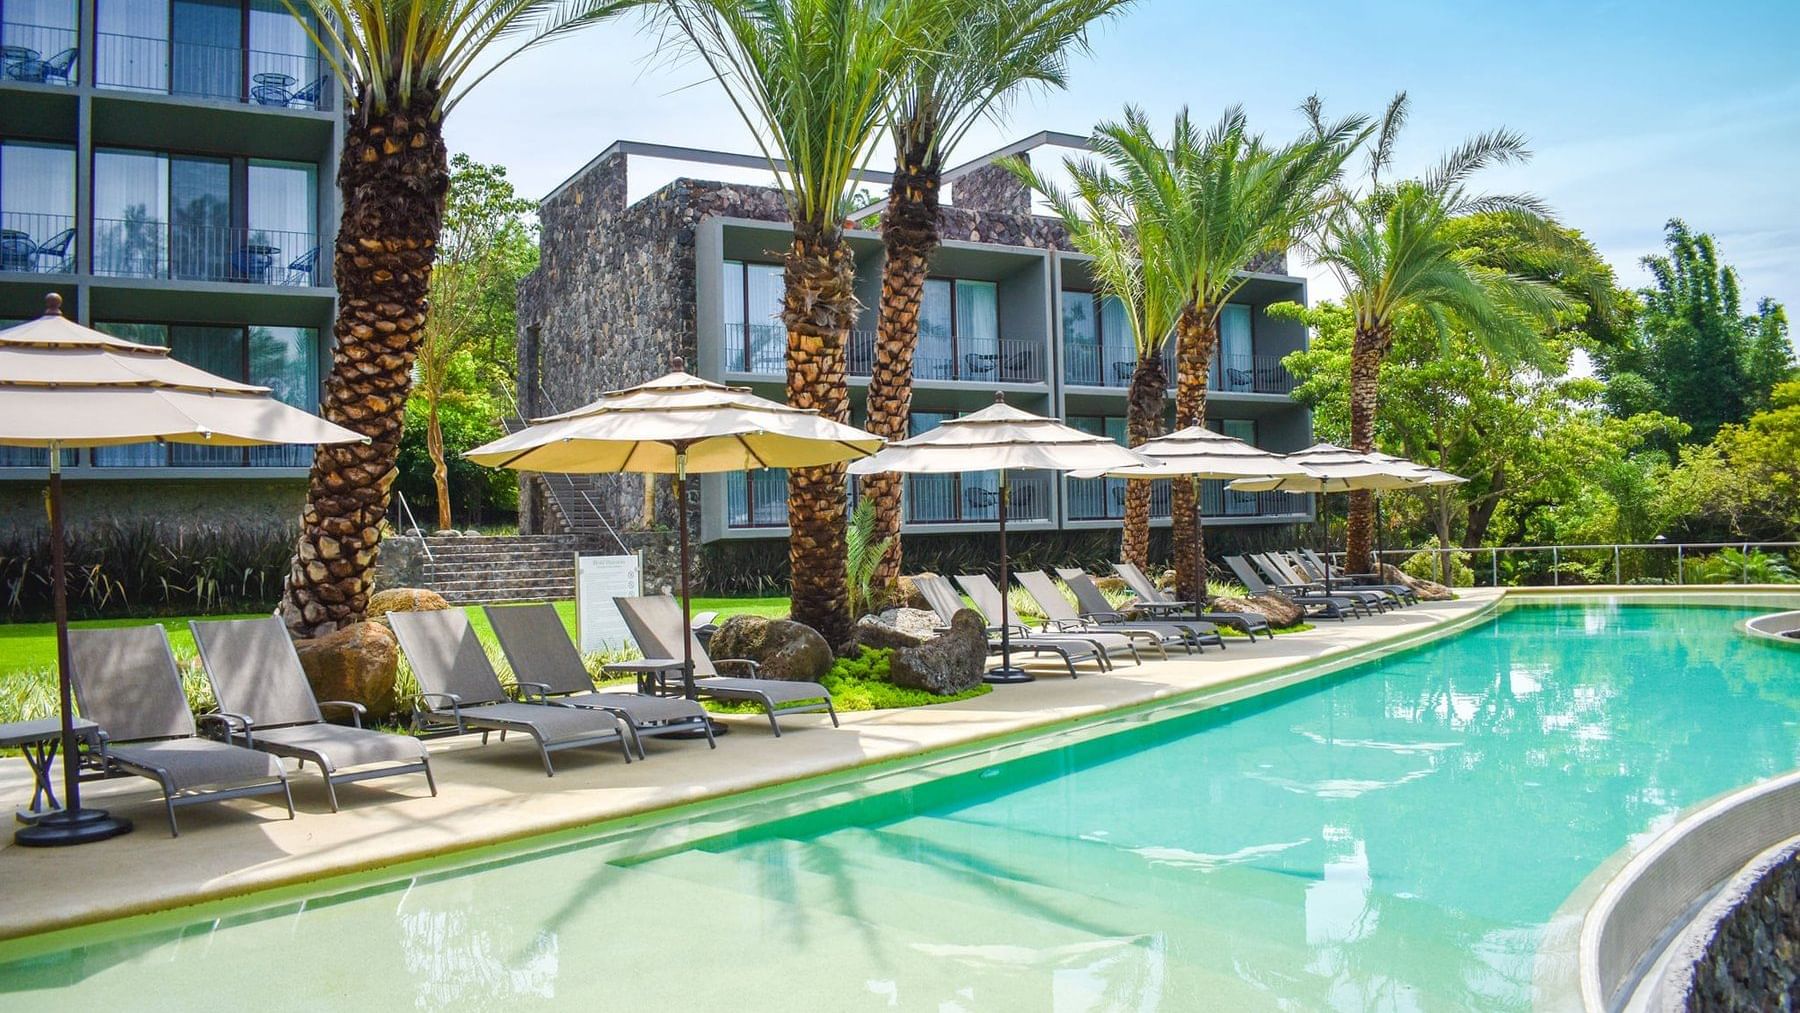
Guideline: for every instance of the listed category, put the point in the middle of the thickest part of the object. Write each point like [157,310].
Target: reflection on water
[1396,838]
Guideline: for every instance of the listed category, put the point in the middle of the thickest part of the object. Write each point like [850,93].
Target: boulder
[906,592]
[356,663]
[950,663]
[1276,607]
[1427,590]
[782,648]
[895,628]
[404,599]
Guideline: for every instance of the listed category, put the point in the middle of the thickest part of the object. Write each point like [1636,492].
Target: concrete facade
[624,286]
[219,143]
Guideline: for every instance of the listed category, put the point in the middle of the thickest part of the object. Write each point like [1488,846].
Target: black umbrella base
[83,826]
[1007,675]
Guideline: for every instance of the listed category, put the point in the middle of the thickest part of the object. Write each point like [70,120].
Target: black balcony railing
[254,76]
[125,248]
[975,498]
[756,499]
[1092,365]
[1103,499]
[37,244]
[38,54]
[971,360]
[756,348]
[1258,374]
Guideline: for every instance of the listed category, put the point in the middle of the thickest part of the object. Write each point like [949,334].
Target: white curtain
[977,317]
[283,213]
[1118,353]
[131,212]
[1234,360]
[932,360]
[132,45]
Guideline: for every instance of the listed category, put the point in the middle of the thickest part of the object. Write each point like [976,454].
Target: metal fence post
[1616,578]
[1680,565]
[1744,568]
[1555,564]
[1494,565]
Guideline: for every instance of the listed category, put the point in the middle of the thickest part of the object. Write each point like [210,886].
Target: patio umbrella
[999,438]
[1435,479]
[1332,469]
[64,386]
[675,425]
[1197,453]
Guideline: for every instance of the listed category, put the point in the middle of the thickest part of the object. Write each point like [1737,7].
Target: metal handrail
[519,412]
[424,541]
[1556,552]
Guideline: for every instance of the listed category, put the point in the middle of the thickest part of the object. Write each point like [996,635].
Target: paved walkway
[499,792]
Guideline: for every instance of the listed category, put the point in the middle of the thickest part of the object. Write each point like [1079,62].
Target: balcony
[1252,374]
[227,73]
[1103,499]
[153,249]
[967,360]
[37,244]
[758,499]
[1091,365]
[39,54]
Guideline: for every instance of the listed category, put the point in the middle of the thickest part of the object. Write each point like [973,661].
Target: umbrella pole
[72,824]
[687,634]
[1006,672]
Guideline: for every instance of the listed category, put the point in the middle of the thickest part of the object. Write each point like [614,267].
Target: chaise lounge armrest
[233,725]
[357,711]
[525,691]
[1104,617]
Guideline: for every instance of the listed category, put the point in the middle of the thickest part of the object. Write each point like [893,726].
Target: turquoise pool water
[1393,837]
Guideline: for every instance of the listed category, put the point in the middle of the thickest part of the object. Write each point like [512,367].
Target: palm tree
[1394,248]
[813,79]
[991,49]
[1224,198]
[403,65]
[1131,263]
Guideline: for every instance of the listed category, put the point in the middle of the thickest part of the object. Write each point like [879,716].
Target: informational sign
[598,580]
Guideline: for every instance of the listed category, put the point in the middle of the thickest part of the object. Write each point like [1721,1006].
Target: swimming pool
[1396,835]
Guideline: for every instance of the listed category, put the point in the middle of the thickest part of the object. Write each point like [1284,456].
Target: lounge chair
[1151,599]
[992,604]
[460,693]
[1315,606]
[126,682]
[1284,577]
[1310,564]
[1092,603]
[1063,617]
[655,623]
[941,595]
[545,661]
[1296,569]
[261,688]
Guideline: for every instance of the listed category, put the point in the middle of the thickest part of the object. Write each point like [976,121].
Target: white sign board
[599,579]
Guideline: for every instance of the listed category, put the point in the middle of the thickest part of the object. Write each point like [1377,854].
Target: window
[283,217]
[37,207]
[959,330]
[1235,502]
[1098,347]
[755,337]
[1234,365]
[41,40]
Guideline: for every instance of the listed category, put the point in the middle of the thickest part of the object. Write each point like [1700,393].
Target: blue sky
[1636,111]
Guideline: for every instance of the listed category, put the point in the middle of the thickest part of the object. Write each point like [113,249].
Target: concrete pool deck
[498,793]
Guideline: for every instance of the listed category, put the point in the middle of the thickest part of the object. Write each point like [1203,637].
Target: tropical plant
[1125,242]
[1735,566]
[1223,199]
[486,247]
[1392,249]
[862,557]
[402,65]
[813,80]
[991,50]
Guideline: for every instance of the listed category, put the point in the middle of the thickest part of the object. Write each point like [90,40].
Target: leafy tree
[1393,249]
[1696,355]
[990,50]
[1746,482]
[468,414]
[487,247]
[814,81]
[402,66]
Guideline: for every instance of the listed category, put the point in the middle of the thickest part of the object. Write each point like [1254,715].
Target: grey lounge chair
[1316,606]
[126,682]
[1092,604]
[545,660]
[655,623]
[261,688]
[460,693]
[1064,618]
[1152,600]
[1284,577]
[941,595]
[1309,563]
[992,604]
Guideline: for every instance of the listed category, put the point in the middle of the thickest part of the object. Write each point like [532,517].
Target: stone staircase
[478,569]
[573,499]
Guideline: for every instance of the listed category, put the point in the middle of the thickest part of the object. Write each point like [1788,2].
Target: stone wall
[1752,959]
[179,504]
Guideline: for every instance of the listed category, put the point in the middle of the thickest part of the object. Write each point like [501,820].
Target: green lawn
[28,646]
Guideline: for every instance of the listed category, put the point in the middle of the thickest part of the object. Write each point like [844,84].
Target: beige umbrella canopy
[1000,438]
[1338,469]
[1197,453]
[64,386]
[673,425]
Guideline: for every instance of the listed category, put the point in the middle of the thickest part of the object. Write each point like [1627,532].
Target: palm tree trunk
[440,472]
[393,178]
[818,306]
[909,229]
[1143,421]
[1196,338]
[1366,352]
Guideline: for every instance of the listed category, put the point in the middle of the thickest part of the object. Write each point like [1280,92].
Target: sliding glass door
[206,52]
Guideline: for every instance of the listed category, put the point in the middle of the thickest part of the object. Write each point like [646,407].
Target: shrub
[1426,565]
[1735,566]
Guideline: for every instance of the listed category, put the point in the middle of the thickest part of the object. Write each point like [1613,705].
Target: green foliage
[147,568]
[861,558]
[1746,483]
[1735,566]
[469,415]
[1697,355]
[860,684]
[1426,565]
